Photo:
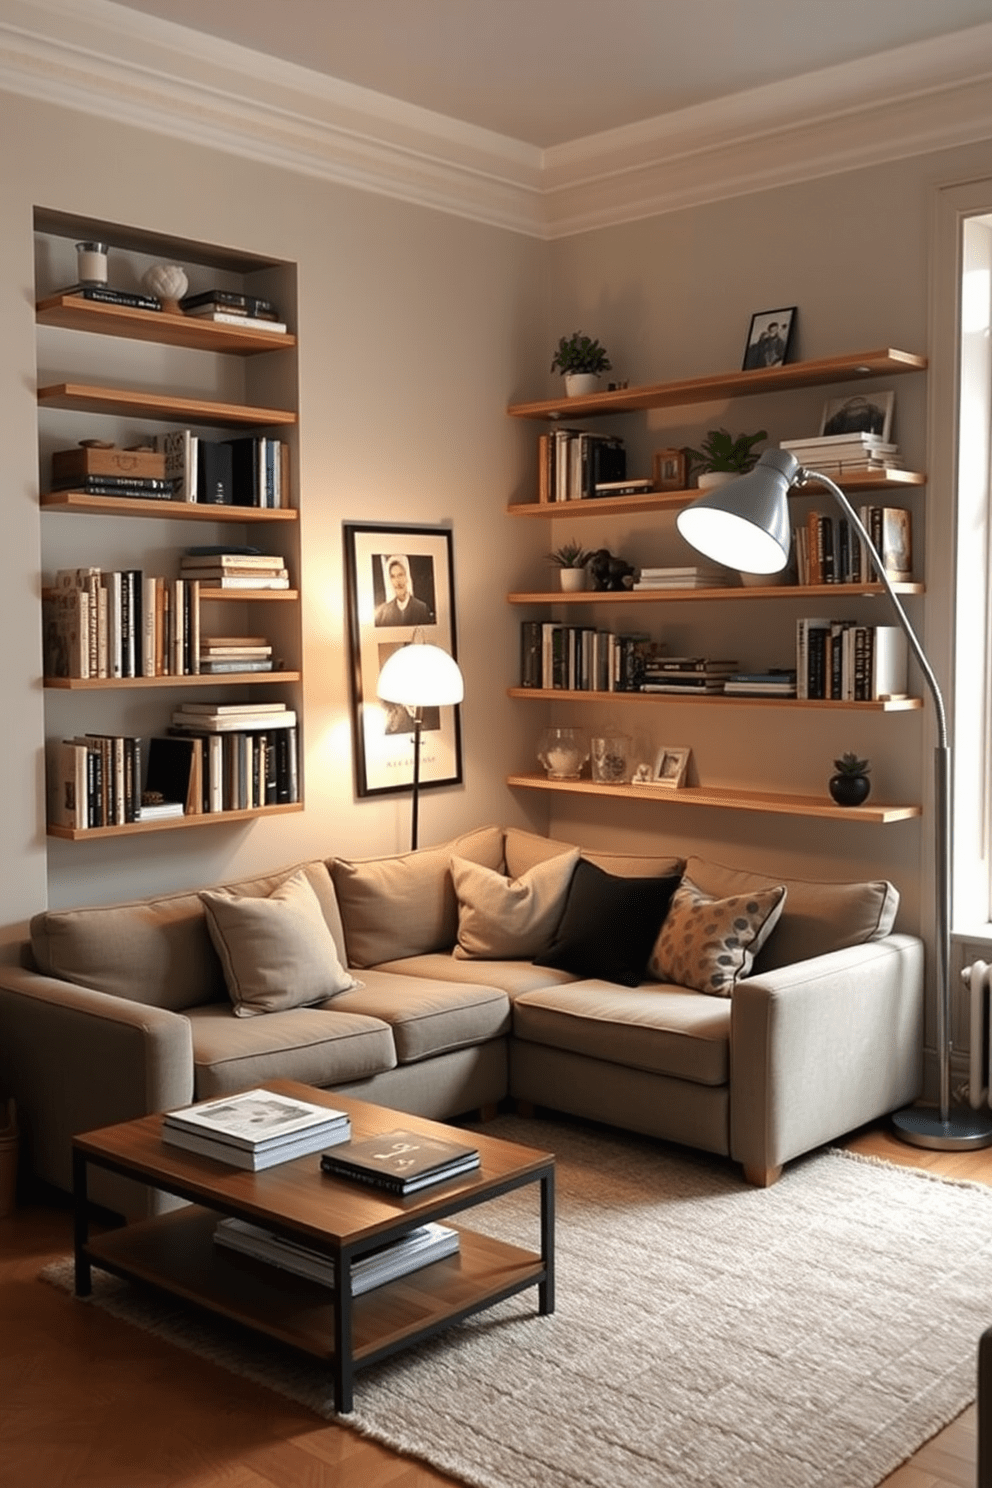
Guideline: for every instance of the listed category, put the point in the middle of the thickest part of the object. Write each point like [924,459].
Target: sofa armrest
[75,1060]
[822,1047]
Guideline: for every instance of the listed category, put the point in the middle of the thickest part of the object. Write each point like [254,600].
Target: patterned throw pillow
[710,944]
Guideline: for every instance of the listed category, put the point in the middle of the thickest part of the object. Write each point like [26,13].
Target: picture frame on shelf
[670,470]
[399,585]
[769,339]
[671,766]
[859,413]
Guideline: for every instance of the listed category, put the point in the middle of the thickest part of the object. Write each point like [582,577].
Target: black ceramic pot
[850,790]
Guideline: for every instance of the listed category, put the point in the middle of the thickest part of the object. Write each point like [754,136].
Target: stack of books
[574,464]
[421,1247]
[228,307]
[103,294]
[225,654]
[840,454]
[691,576]
[231,569]
[686,674]
[211,718]
[400,1161]
[256,1129]
[776,682]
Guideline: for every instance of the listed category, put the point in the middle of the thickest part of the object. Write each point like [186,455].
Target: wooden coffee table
[339,1218]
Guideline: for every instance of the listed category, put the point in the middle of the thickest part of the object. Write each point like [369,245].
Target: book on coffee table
[400,1161]
[396,1258]
[255,1129]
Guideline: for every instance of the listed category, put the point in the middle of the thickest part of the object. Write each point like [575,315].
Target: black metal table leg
[344,1370]
[546,1288]
[84,1280]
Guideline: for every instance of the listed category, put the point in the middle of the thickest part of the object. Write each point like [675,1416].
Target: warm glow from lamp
[421,677]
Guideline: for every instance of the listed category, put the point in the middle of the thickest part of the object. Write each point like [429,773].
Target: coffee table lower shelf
[176,1253]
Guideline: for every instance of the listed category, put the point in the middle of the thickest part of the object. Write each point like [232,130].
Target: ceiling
[549,71]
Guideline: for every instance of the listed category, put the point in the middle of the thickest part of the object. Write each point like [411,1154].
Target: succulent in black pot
[850,786]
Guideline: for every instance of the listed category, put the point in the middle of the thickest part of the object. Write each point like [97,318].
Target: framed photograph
[769,338]
[400,592]
[669,469]
[859,413]
[671,767]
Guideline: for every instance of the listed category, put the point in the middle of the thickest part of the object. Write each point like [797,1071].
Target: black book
[530,653]
[104,295]
[251,304]
[214,473]
[400,1161]
[246,484]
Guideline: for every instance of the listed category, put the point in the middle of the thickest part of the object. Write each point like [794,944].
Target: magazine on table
[255,1159]
[396,1258]
[256,1118]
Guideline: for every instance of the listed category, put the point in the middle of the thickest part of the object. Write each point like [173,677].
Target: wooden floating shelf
[679,596]
[196,679]
[709,700]
[84,397]
[70,312]
[651,501]
[169,823]
[729,799]
[886,362]
[183,511]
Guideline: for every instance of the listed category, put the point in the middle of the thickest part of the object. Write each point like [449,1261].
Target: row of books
[120,623]
[829,550]
[255,1129]
[685,674]
[94,780]
[412,1252]
[233,758]
[251,470]
[580,658]
[847,662]
[574,463]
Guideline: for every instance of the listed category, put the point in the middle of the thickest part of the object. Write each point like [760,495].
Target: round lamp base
[964,1128]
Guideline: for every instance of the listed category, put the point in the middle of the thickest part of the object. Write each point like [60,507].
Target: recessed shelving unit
[884,362]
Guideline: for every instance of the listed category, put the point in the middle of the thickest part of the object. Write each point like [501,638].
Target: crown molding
[102,58]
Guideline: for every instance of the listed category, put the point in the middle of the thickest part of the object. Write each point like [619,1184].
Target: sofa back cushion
[525,849]
[405,904]
[155,951]
[816,917]
[507,919]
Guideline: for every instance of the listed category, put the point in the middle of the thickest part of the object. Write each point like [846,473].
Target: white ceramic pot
[577,384]
[710,479]
[572,579]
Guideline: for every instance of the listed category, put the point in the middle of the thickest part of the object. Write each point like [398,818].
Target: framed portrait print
[400,590]
[859,413]
[671,766]
[670,470]
[769,338]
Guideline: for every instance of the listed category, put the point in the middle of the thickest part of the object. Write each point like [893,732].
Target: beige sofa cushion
[511,977]
[277,952]
[405,905]
[664,1030]
[708,944]
[816,918]
[319,1047]
[501,918]
[157,950]
[428,1018]
[524,849]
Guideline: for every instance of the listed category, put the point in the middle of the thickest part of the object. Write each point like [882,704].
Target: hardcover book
[400,1160]
[255,1118]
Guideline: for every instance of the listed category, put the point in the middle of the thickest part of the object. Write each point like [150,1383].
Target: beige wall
[416,329]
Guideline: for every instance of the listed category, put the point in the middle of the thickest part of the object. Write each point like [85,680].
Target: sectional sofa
[748,1016]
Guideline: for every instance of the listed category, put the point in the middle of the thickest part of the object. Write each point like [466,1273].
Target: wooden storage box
[84,460]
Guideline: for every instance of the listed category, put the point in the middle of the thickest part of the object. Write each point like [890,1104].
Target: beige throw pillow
[277,952]
[505,919]
[710,944]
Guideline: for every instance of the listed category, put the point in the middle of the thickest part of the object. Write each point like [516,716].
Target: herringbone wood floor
[89,1402]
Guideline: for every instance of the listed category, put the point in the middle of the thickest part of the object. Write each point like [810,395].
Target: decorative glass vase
[611,758]
[563,751]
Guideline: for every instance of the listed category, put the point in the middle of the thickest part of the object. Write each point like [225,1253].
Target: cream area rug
[810,1335]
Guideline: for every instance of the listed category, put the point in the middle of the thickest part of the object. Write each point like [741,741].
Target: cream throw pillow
[710,944]
[277,952]
[504,919]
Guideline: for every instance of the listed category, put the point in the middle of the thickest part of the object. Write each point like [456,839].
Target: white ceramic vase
[577,384]
[572,579]
[710,479]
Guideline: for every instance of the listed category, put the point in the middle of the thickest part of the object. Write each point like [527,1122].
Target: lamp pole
[418,724]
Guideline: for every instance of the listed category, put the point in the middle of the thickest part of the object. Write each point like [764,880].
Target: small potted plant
[581,360]
[850,785]
[721,457]
[570,560]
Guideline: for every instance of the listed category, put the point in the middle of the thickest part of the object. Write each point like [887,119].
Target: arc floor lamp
[744,524]
[419,676]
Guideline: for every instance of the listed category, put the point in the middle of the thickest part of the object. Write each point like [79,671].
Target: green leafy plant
[569,555]
[579,353]
[721,451]
[849,764]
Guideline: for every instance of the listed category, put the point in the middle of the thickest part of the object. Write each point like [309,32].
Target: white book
[213,723]
[222,317]
[421,1247]
[889,672]
[254,1118]
[149,597]
[233,708]
[232,560]
[257,1159]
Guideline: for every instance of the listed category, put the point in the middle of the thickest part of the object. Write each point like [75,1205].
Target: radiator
[978,977]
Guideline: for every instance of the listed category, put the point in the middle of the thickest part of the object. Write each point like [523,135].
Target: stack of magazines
[396,1258]
[256,1129]
[400,1161]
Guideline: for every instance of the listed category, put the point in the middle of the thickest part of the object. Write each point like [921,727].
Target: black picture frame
[769,339]
[384,565]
